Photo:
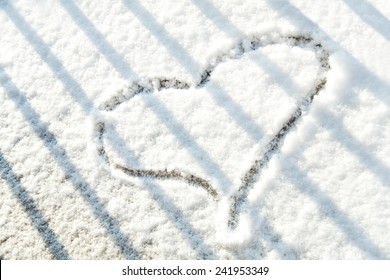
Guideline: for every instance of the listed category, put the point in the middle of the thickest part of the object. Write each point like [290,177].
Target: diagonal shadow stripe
[37,218]
[101,43]
[263,62]
[47,55]
[355,147]
[236,112]
[59,154]
[330,210]
[218,18]
[165,202]
[272,147]
[273,239]
[87,105]
[374,83]
[371,15]
[196,151]
[379,89]
[370,80]
[158,31]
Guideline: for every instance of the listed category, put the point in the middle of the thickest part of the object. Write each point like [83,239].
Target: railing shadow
[371,15]
[237,113]
[45,53]
[94,35]
[219,19]
[184,137]
[362,74]
[37,218]
[217,92]
[173,47]
[274,240]
[368,159]
[355,147]
[157,192]
[330,210]
[60,156]
[276,73]
[117,61]
[377,85]
[374,164]
[78,94]
[225,25]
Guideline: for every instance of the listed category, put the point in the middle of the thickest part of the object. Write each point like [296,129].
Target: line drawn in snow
[238,196]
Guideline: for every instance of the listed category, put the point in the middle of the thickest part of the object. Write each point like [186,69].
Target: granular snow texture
[194,129]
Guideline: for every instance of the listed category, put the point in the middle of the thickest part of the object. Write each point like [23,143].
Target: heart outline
[150,86]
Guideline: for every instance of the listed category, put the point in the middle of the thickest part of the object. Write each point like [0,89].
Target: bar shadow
[363,74]
[158,31]
[330,210]
[263,62]
[355,147]
[371,15]
[266,233]
[36,216]
[218,18]
[71,85]
[60,156]
[236,112]
[94,35]
[164,201]
[87,105]
[374,164]
[46,54]
[218,94]
[294,15]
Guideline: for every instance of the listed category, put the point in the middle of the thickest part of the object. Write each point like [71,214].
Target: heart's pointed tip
[235,238]
[228,236]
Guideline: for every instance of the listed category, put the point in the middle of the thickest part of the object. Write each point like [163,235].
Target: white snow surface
[68,164]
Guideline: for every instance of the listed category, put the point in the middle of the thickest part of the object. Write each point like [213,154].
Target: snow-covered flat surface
[195,129]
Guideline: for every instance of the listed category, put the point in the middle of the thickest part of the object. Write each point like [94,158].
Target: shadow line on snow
[376,166]
[76,91]
[225,25]
[78,94]
[98,39]
[237,113]
[59,154]
[329,209]
[362,74]
[268,235]
[218,18]
[27,202]
[173,213]
[355,147]
[122,67]
[371,15]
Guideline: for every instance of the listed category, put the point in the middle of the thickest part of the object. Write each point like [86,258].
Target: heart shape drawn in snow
[219,134]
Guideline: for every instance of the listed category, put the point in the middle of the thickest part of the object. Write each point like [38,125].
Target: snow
[160,129]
